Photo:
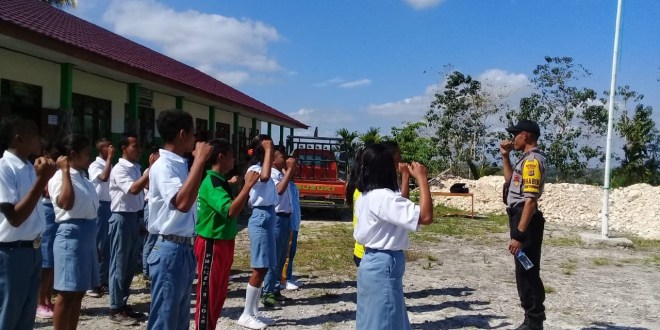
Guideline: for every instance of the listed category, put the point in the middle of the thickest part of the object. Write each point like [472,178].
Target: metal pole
[608,150]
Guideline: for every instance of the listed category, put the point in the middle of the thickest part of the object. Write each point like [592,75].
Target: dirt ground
[461,283]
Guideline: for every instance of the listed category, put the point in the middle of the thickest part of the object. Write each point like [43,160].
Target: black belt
[283,214]
[35,244]
[177,239]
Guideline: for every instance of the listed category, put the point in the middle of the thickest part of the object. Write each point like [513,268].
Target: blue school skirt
[48,237]
[261,231]
[76,258]
[380,301]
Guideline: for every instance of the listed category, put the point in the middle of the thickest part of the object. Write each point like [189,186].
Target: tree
[572,119]
[349,141]
[372,135]
[415,147]
[459,117]
[61,3]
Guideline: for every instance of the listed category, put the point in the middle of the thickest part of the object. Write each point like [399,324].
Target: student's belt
[177,239]
[35,244]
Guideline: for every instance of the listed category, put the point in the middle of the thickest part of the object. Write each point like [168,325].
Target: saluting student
[384,219]
[127,183]
[172,212]
[21,221]
[99,174]
[216,230]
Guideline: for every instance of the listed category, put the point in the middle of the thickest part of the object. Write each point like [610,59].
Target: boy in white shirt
[22,220]
[99,174]
[172,212]
[127,184]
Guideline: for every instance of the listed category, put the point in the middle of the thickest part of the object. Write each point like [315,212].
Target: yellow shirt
[358,251]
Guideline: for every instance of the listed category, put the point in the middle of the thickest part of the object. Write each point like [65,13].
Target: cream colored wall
[196,110]
[225,117]
[30,70]
[107,89]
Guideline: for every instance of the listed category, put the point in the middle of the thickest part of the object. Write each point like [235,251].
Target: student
[384,220]
[288,280]
[283,210]
[45,304]
[127,184]
[172,212]
[76,205]
[149,239]
[216,230]
[263,198]
[21,221]
[99,174]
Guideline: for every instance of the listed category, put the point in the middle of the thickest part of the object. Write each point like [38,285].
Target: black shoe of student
[530,325]
[120,317]
[280,297]
[133,314]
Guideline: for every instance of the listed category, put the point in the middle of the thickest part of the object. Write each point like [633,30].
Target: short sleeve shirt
[102,187]
[17,178]
[213,205]
[384,220]
[295,206]
[283,200]
[86,201]
[528,178]
[166,177]
[262,193]
[122,177]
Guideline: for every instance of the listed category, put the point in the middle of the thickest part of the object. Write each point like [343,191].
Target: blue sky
[358,64]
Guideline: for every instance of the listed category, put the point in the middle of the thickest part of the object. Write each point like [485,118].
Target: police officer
[522,188]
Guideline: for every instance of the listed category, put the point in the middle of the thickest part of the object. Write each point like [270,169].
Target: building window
[20,99]
[91,116]
[201,129]
[222,131]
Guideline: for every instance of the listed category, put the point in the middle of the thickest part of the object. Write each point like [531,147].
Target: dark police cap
[525,125]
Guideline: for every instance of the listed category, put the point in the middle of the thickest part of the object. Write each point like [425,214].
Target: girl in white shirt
[261,230]
[384,219]
[76,203]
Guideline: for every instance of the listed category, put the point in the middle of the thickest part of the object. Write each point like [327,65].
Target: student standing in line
[149,239]
[127,184]
[216,230]
[384,220]
[76,205]
[172,213]
[21,221]
[262,200]
[99,174]
[45,304]
[283,209]
[288,280]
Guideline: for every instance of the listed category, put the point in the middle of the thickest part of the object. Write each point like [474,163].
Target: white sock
[255,306]
[251,297]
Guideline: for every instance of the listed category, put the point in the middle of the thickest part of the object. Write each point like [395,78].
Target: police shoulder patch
[531,176]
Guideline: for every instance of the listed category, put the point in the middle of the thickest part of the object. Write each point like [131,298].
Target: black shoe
[530,325]
[133,314]
[120,317]
[279,297]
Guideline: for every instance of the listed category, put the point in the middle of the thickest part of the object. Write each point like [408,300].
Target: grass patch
[653,260]
[645,244]
[563,241]
[548,289]
[569,266]
[461,227]
[412,255]
[601,261]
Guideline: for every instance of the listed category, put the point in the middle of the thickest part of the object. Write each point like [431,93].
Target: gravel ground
[462,283]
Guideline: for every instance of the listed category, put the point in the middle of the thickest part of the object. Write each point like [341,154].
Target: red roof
[37,22]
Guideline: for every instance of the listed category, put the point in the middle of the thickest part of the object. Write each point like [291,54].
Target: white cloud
[424,4]
[326,120]
[502,82]
[329,82]
[356,83]
[222,46]
[409,109]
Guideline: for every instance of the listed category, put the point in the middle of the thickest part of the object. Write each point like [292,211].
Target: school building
[70,75]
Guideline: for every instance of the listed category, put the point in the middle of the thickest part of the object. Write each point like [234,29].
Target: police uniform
[527,181]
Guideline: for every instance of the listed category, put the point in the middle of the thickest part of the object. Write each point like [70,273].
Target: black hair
[353,176]
[12,125]
[281,149]
[72,143]
[154,149]
[102,140]
[377,170]
[392,145]
[220,146]
[124,141]
[258,152]
[171,122]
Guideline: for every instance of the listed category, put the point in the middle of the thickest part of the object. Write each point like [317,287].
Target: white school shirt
[86,201]
[166,177]
[102,188]
[122,177]
[262,193]
[17,178]
[384,219]
[283,200]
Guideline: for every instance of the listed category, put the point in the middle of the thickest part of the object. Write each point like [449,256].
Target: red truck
[322,171]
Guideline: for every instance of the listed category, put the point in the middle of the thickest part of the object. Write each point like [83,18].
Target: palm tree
[372,135]
[61,3]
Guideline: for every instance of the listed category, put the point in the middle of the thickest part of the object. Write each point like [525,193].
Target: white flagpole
[608,150]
